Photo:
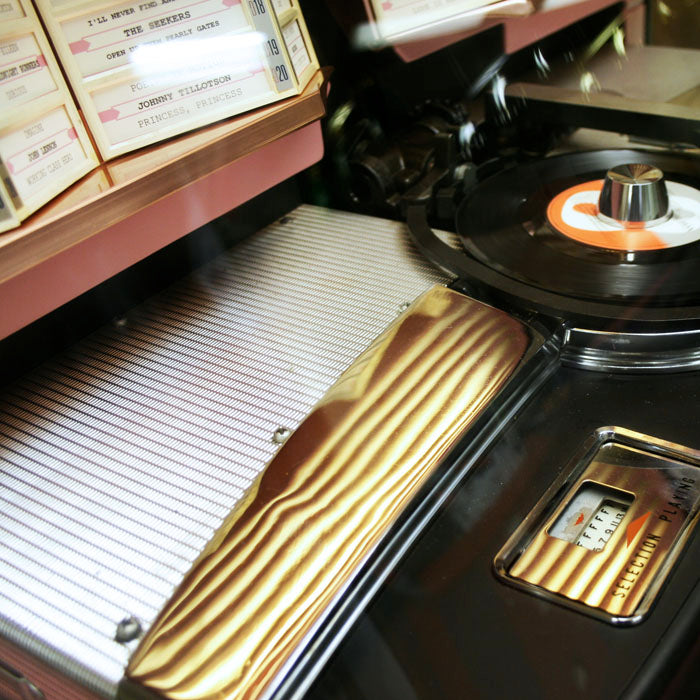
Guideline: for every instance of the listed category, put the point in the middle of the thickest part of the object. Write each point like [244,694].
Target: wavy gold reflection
[327,498]
[616,579]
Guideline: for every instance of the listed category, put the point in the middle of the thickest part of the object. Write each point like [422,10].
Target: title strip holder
[148,70]
[44,147]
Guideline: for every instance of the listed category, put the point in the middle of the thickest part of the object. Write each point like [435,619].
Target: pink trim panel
[518,32]
[68,274]
[417,49]
[522,32]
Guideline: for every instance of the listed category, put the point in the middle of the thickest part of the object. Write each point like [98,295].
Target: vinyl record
[538,223]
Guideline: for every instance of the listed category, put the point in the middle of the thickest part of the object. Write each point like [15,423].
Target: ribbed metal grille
[120,458]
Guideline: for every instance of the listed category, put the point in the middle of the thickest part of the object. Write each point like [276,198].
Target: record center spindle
[634,193]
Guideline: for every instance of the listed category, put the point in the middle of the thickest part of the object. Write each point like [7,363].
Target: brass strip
[327,498]
[604,100]
[690,98]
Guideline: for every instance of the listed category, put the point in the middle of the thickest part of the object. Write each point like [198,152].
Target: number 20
[281,74]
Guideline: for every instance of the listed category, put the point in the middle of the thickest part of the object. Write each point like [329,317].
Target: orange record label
[574,214]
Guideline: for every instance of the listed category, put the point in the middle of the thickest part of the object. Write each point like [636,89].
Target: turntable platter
[539,223]
[625,305]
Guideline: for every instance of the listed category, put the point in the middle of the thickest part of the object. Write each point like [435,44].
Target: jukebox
[386,389]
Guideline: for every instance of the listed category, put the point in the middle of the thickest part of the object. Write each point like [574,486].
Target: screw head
[281,435]
[128,630]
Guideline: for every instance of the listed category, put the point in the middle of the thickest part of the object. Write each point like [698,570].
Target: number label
[257,7]
[281,73]
[271,48]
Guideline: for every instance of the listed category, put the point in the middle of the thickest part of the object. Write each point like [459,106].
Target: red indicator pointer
[635,526]
[579,519]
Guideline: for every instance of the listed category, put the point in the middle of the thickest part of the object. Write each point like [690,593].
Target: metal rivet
[285,219]
[120,322]
[403,307]
[128,630]
[280,435]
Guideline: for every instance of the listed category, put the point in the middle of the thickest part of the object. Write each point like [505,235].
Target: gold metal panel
[327,498]
[623,579]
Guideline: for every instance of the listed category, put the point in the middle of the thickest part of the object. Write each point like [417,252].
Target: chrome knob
[634,193]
